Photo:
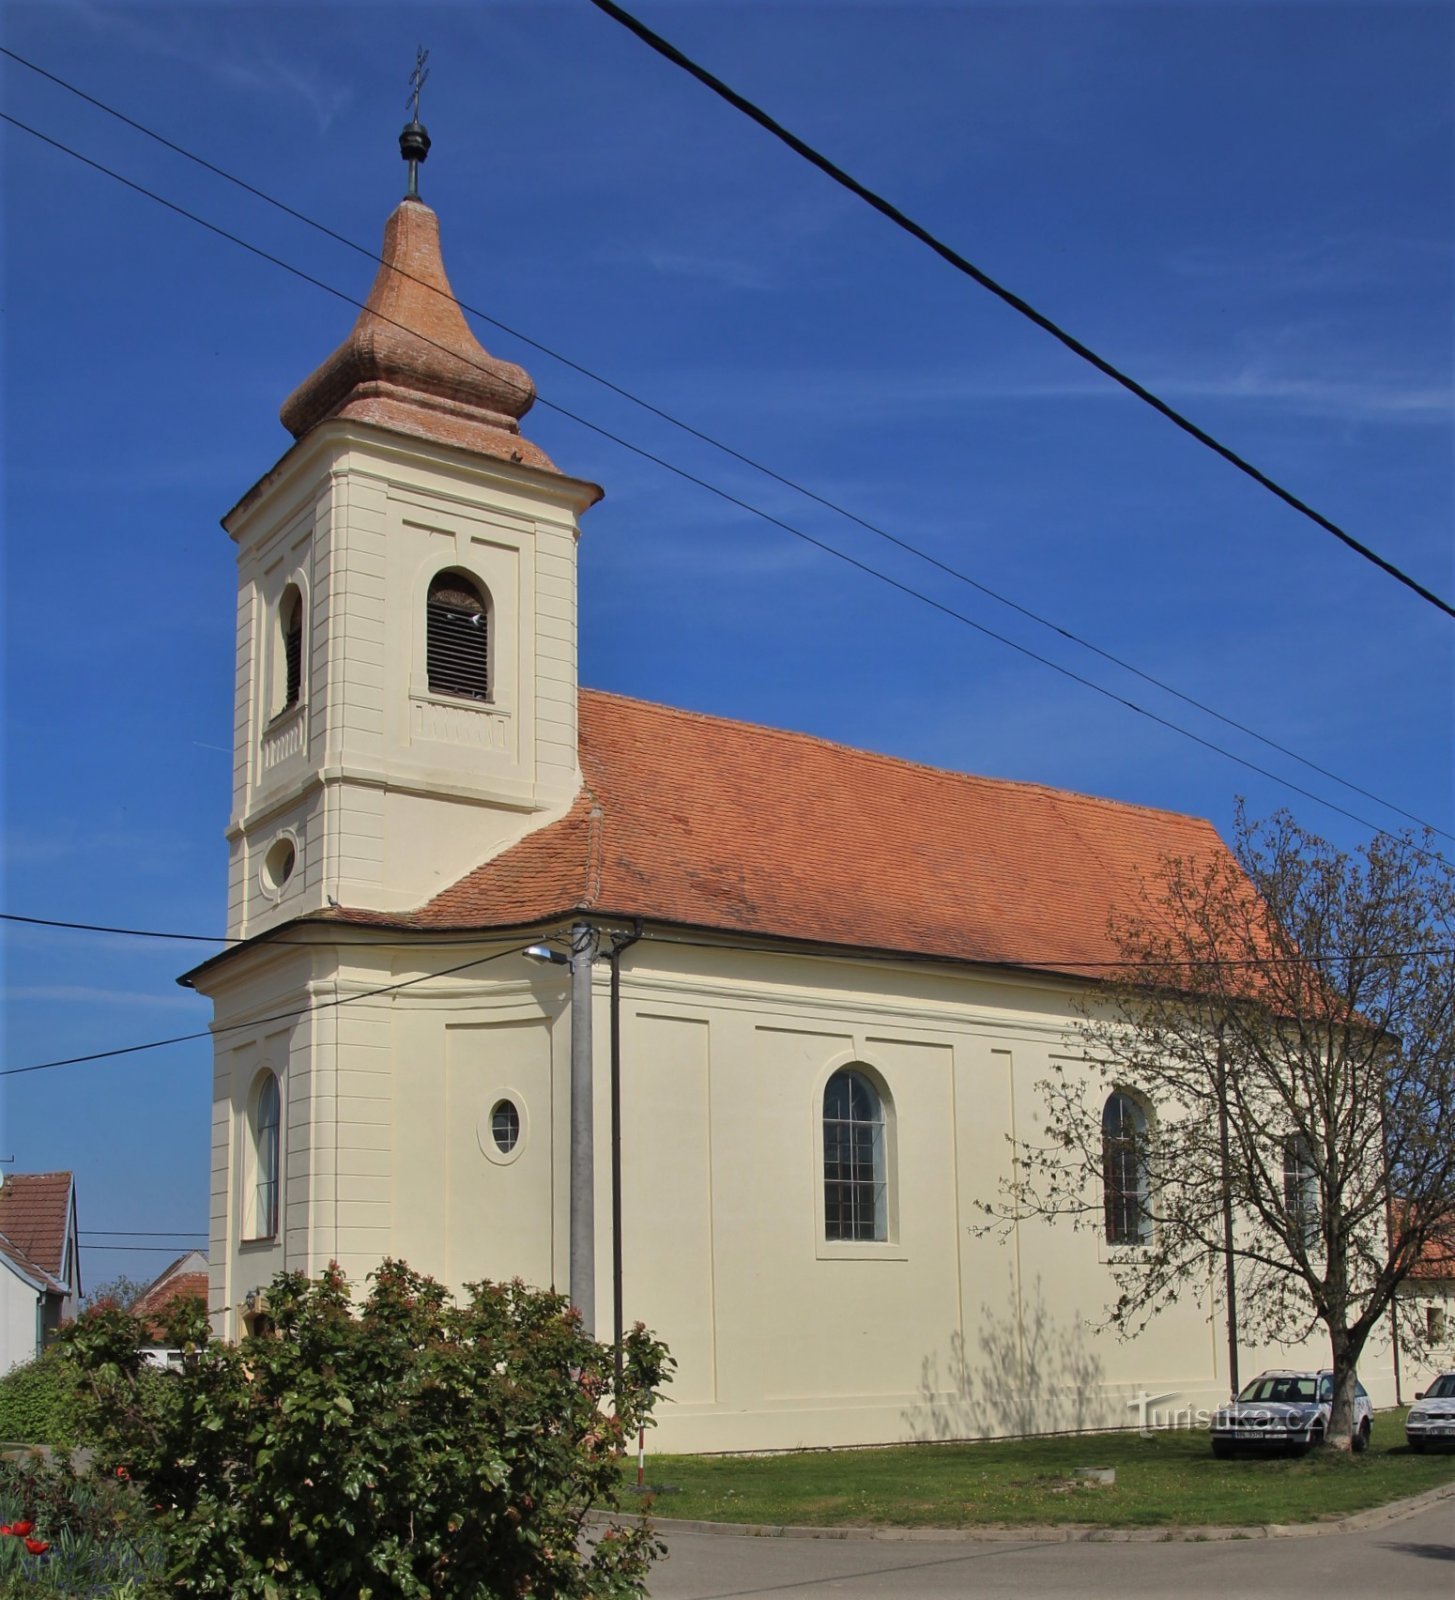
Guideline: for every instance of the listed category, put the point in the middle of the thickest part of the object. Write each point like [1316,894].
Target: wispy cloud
[849,396]
[31,847]
[252,66]
[729,271]
[1390,399]
[1334,263]
[83,994]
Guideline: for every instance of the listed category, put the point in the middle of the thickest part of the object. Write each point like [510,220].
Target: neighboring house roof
[1437,1259]
[723,825]
[186,1278]
[23,1267]
[35,1217]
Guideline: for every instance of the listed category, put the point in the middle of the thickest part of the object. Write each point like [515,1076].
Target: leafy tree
[118,1291]
[405,1446]
[1284,1030]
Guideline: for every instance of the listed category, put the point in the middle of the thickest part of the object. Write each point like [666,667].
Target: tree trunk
[1340,1434]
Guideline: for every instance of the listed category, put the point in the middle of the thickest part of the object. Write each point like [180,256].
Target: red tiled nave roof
[696,820]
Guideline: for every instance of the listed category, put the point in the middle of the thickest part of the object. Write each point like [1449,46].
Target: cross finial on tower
[414,141]
[417,80]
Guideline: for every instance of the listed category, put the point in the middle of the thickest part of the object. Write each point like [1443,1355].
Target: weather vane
[414,141]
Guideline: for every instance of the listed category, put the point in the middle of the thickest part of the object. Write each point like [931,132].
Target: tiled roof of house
[168,1286]
[1437,1259]
[695,820]
[35,1211]
[29,1270]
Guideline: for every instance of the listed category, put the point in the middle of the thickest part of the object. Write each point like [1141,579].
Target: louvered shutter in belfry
[293,651]
[458,641]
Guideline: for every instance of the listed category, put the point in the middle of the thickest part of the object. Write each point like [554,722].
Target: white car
[1286,1411]
[1432,1416]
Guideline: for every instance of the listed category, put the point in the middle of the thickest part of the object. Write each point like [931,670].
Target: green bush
[404,1447]
[37,1402]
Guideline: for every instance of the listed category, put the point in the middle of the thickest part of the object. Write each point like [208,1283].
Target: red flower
[6,1528]
[20,1529]
[37,1547]
[122,1473]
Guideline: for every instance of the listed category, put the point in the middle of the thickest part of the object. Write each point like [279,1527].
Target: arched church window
[855,1186]
[1124,1170]
[290,617]
[265,1119]
[457,627]
[1301,1188]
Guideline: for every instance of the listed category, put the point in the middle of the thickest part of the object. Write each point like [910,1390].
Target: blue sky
[1247,206]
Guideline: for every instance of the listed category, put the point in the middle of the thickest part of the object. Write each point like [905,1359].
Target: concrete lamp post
[582,1230]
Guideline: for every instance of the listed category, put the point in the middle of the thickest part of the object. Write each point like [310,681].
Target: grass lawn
[1170,1477]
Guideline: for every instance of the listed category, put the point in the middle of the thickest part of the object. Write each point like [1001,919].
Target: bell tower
[406,624]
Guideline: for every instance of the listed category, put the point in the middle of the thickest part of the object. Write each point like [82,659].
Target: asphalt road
[1408,1559]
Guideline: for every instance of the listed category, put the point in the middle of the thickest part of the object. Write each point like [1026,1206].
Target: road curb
[1068,1533]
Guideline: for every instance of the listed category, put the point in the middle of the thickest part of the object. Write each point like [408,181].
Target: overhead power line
[415,935]
[727,449]
[257,1022]
[146,1249]
[143,1233]
[418,936]
[1051,965]
[946,253]
[726,495]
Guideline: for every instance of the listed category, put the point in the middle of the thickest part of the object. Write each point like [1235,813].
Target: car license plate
[1252,1433]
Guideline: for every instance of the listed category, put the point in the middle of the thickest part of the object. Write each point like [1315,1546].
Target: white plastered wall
[17,1320]
[781,1338]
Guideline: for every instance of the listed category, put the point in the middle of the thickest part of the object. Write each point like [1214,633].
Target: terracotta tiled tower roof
[412,363]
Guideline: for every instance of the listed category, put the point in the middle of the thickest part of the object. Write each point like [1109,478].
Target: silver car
[1432,1416]
[1286,1411]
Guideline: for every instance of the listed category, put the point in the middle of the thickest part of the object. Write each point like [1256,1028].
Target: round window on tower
[279,862]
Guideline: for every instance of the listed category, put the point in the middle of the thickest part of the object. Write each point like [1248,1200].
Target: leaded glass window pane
[1124,1171]
[853,1159]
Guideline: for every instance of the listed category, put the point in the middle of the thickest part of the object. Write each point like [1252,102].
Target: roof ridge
[1051,791]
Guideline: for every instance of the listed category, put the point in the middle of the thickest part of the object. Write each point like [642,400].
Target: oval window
[505,1126]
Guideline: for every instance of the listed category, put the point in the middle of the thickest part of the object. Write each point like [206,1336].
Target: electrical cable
[143,1233]
[946,253]
[728,450]
[419,937]
[1047,962]
[1050,965]
[257,1022]
[1054,964]
[727,496]
[147,1249]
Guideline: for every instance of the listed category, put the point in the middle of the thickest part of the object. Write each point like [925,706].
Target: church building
[714,1026]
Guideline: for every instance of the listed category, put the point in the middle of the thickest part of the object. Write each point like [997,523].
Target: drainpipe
[620,942]
[582,1163]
